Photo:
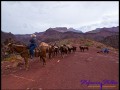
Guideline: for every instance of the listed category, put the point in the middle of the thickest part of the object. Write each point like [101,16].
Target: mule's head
[9,47]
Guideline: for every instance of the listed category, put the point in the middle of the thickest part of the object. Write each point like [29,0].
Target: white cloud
[21,17]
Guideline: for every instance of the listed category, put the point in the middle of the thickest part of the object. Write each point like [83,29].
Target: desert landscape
[63,72]
[60,45]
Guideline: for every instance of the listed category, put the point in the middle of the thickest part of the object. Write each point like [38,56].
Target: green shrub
[88,44]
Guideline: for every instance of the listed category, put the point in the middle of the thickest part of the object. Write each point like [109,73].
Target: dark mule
[86,47]
[56,50]
[63,50]
[74,48]
[69,48]
[50,50]
[82,48]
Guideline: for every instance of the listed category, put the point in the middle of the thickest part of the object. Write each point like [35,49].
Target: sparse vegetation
[13,58]
[88,44]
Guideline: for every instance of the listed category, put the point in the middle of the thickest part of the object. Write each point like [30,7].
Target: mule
[43,47]
[50,51]
[82,48]
[22,50]
[69,48]
[74,48]
[56,50]
[63,50]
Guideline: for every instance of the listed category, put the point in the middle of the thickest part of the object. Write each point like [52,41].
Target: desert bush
[12,58]
[88,44]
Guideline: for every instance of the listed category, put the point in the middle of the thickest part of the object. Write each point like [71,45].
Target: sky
[27,17]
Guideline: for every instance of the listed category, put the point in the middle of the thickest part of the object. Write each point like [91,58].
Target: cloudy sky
[20,17]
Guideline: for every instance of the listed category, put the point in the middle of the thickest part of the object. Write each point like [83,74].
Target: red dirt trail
[64,73]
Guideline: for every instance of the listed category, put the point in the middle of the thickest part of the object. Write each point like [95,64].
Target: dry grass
[13,58]
[13,61]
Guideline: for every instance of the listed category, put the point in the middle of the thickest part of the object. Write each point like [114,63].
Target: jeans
[32,47]
[105,50]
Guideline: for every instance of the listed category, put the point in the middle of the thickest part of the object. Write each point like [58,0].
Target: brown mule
[22,50]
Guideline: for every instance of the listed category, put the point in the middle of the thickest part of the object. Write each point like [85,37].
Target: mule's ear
[8,44]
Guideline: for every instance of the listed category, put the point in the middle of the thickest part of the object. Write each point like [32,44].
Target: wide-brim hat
[33,35]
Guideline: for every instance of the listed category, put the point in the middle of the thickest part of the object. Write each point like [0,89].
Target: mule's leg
[26,63]
[56,53]
[70,50]
[62,53]
[49,55]
[39,54]
[83,49]
[53,53]
[44,61]
[80,49]
[40,58]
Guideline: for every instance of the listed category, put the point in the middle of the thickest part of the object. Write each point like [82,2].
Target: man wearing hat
[33,45]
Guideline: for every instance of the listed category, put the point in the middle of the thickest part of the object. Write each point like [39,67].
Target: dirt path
[65,73]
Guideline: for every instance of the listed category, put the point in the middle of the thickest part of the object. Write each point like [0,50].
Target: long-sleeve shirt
[33,40]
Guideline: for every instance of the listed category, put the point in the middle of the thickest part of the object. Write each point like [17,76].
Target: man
[104,50]
[33,45]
